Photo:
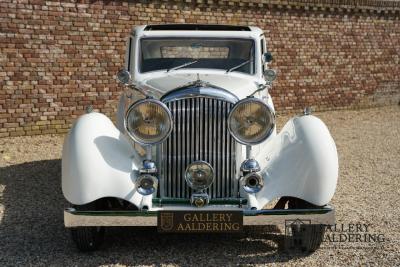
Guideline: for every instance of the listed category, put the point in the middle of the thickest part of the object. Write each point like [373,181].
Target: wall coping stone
[378,6]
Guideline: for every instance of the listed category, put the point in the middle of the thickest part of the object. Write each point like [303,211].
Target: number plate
[200,221]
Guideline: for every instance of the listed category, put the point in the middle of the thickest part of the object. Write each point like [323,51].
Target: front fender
[98,161]
[301,161]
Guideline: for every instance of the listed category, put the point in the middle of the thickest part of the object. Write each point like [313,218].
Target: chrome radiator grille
[200,133]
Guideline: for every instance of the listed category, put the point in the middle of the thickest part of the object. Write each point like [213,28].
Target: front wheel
[306,237]
[88,238]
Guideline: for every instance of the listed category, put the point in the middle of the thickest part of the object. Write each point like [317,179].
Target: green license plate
[214,221]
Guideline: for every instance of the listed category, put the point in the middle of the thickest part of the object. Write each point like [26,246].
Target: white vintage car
[195,146]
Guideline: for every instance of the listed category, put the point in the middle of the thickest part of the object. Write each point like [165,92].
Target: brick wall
[57,57]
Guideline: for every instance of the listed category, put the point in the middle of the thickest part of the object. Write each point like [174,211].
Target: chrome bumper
[74,218]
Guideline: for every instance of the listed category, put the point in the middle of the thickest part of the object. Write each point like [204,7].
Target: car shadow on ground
[32,231]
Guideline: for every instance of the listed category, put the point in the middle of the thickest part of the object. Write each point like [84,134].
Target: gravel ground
[368,192]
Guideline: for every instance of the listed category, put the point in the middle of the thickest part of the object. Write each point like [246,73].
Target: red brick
[325,58]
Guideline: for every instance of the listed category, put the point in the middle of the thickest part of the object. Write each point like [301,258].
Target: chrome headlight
[199,175]
[251,121]
[148,121]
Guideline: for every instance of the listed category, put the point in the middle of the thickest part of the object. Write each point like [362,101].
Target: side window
[262,44]
[129,54]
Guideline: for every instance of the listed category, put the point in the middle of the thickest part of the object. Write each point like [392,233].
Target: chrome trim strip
[183,143]
[188,140]
[214,150]
[196,126]
[206,129]
[168,165]
[175,160]
[161,188]
[178,147]
[268,217]
[223,146]
[218,125]
[197,91]
[192,134]
[73,218]
[201,122]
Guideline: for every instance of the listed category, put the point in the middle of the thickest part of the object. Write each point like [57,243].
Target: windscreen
[178,53]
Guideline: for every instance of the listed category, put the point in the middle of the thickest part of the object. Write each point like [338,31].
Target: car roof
[212,30]
[195,27]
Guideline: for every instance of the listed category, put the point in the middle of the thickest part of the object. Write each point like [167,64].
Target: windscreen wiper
[238,66]
[182,66]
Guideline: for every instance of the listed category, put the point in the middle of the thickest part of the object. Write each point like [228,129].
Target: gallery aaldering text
[353,232]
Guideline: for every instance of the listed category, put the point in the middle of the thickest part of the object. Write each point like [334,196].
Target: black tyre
[88,238]
[306,237]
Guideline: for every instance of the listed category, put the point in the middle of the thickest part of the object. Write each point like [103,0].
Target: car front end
[195,146]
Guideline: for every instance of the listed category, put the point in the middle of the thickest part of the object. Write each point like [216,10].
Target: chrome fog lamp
[251,121]
[252,182]
[148,121]
[146,184]
[199,175]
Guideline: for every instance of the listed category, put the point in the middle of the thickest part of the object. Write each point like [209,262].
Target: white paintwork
[301,161]
[100,161]
[239,84]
